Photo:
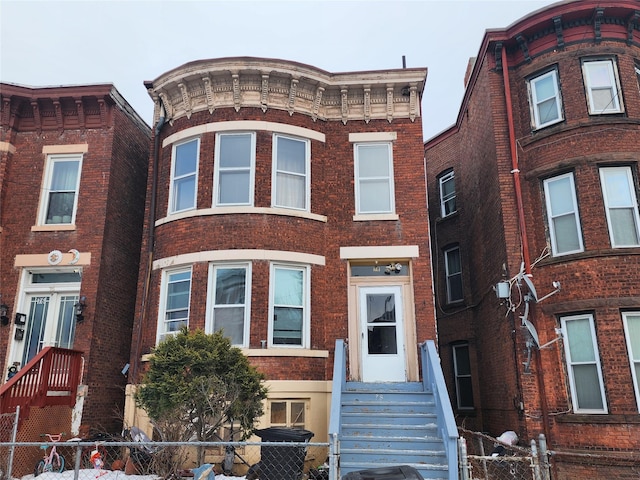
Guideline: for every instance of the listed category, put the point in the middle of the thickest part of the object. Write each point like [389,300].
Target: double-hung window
[234,168]
[447,184]
[621,206]
[61,184]
[230,287]
[602,86]
[562,215]
[289,306]
[583,364]
[374,178]
[545,100]
[632,333]
[453,272]
[462,371]
[184,176]
[292,175]
[176,293]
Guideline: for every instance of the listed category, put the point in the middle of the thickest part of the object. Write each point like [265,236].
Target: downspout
[523,230]
[151,237]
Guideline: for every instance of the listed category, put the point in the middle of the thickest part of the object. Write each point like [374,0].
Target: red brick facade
[599,281]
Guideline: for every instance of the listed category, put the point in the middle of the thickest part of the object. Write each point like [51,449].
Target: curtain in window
[291,180]
[374,179]
[234,169]
[62,191]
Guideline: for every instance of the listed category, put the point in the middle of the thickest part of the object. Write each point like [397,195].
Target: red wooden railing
[50,378]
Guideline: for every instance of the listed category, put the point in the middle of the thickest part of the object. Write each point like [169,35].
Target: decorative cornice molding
[243,82]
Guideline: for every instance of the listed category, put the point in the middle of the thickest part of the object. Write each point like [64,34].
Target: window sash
[374,178]
[184,176]
[287,413]
[621,206]
[602,86]
[291,163]
[562,215]
[583,364]
[545,99]
[631,322]
[289,299]
[447,194]
[453,271]
[62,184]
[176,293]
[230,302]
[235,169]
[462,372]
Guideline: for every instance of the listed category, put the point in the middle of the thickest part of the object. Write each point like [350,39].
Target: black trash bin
[401,472]
[282,462]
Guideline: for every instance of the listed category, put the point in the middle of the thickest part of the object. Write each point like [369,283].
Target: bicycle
[53,462]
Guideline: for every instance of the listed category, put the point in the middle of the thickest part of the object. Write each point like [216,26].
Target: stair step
[394,456]
[409,443]
[392,418]
[430,472]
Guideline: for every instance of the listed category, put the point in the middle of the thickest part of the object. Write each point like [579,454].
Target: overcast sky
[44,43]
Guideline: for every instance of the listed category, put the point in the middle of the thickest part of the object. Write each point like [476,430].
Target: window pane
[465,392]
[561,196]
[580,341]
[60,207]
[587,387]
[186,158]
[291,155]
[599,74]
[633,327]
[279,412]
[287,326]
[297,413]
[230,286]
[65,175]
[375,196]
[463,364]
[566,231]
[290,190]
[625,231]
[548,111]
[234,187]
[235,151]
[66,322]
[373,161]
[617,187]
[603,99]
[184,194]
[288,290]
[545,88]
[231,321]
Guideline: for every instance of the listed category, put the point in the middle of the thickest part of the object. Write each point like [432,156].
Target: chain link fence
[8,431]
[483,457]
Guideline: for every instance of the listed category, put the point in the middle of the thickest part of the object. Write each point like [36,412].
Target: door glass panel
[381,328]
[66,322]
[36,323]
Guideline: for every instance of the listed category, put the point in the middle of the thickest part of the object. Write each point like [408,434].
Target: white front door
[382,334]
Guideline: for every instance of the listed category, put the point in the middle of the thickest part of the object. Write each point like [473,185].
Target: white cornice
[207,85]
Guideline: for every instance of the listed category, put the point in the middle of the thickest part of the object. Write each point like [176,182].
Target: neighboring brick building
[73,172]
[280,198]
[541,169]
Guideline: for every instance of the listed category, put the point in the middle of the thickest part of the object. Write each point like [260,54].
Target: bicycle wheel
[40,468]
[57,464]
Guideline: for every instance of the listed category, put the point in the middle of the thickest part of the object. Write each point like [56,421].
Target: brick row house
[535,232]
[73,174]
[285,206]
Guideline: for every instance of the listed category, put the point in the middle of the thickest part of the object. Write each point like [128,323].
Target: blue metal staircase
[389,424]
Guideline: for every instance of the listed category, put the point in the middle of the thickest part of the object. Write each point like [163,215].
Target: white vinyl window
[453,271]
[546,103]
[60,193]
[230,302]
[447,184]
[632,333]
[184,176]
[621,206]
[374,178]
[603,88]
[562,215]
[174,301]
[292,176]
[288,306]
[234,168]
[583,364]
[462,371]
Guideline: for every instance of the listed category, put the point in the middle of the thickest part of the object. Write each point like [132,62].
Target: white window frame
[210,326]
[458,375]
[552,216]
[306,308]
[616,105]
[447,199]
[571,363]
[164,290]
[218,169]
[47,190]
[451,276]
[628,203]
[172,186]
[634,354]
[275,184]
[536,103]
[359,180]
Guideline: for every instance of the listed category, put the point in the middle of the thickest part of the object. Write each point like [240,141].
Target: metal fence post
[544,457]
[464,465]
[535,461]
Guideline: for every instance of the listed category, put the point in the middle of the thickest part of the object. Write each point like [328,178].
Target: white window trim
[632,360]
[550,218]
[633,206]
[391,180]
[307,161]
[171,209]
[535,104]
[457,375]
[617,106]
[570,364]
[216,174]
[448,275]
[441,181]
[46,188]
[211,299]
[306,315]
[164,285]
